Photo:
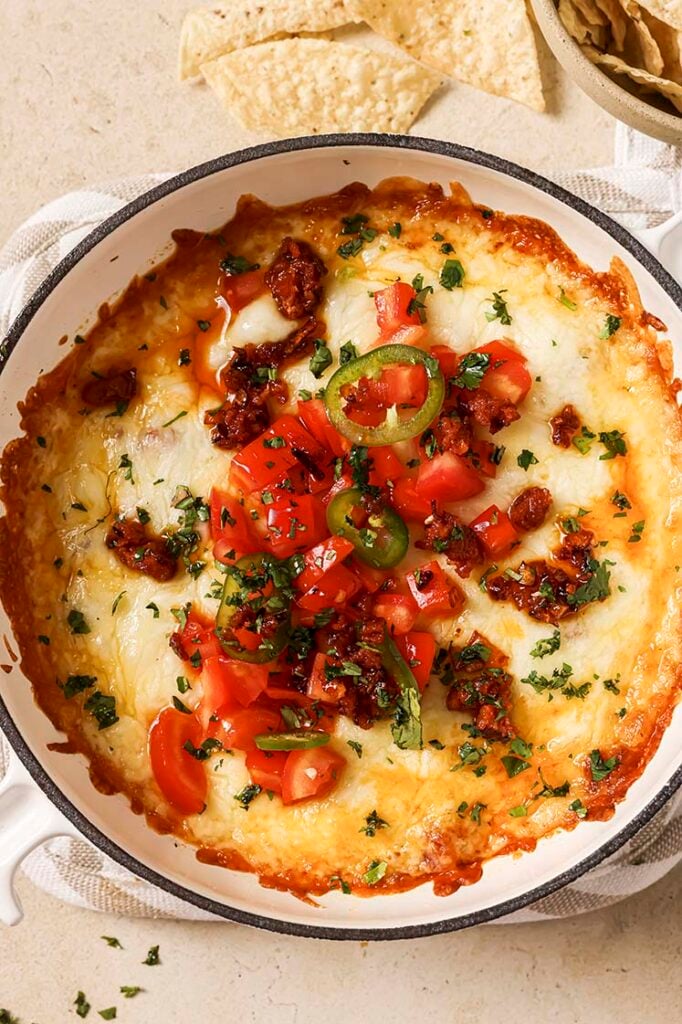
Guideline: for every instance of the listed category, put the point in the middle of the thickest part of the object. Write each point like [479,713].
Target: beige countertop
[87,93]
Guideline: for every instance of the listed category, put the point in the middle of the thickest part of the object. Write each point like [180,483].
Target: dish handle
[665,242]
[27,819]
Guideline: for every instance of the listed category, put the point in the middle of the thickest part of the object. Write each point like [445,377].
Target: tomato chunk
[386,466]
[242,289]
[392,307]
[321,688]
[494,529]
[295,523]
[399,610]
[179,776]
[408,502]
[433,592]
[227,681]
[448,359]
[418,650]
[447,477]
[266,768]
[229,525]
[284,446]
[236,729]
[198,638]
[507,377]
[320,559]
[334,590]
[313,415]
[485,457]
[310,773]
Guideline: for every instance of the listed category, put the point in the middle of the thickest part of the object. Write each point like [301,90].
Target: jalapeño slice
[400,423]
[297,739]
[380,537]
[253,621]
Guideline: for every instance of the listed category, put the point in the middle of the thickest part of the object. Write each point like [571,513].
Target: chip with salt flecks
[309,86]
[482,42]
[208,33]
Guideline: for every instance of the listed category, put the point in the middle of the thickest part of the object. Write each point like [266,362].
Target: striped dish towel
[641,189]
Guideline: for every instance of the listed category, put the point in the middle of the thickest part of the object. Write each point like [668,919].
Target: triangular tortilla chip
[309,86]
[208,33]
[486,43]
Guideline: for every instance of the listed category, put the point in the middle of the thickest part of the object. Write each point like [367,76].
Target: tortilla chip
[580,29]
[669,42]
[616,19]
[309,86]
[667,11]
[653,83]
[589,12]
[640,49]
[207,34]
[481,42]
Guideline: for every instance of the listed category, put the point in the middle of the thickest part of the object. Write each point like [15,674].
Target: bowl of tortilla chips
[626,55]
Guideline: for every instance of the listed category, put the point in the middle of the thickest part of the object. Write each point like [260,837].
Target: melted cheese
[632,636]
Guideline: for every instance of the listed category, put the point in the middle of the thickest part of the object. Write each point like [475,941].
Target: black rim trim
[19,745]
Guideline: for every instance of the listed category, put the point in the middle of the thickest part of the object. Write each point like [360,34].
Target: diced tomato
[418,650]
[410,334]
[247,638]
[242,289]
[392,307]
[342,484]
[405,499]
[266,768]
[285,694]
[310,773]
[372,415]
[236,729]
[295,523]
[485,457]
[268,458]
[179,776]
[229,526]
[404,385]
[198,637]
[321,688]
[334,590]
[507,377]
[228,681]
[386,466]
[495,530]
[370,578]
[399,610]
[433,592]
[448,359]
[320,559]
[447,477]
[224,551]
[313,414]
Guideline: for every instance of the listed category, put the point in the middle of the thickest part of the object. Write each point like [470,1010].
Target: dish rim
[14,335]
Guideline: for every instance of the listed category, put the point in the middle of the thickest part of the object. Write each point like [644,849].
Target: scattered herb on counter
[152,958]
[82,1005]
[112,941]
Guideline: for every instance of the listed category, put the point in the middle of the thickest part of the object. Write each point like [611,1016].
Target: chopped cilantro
[76,684]
[373,823]
[600,768]
[77,623]
[237,264]
[320,359]
[347,352]
[614,443]
[546,646]
[395,230]
[354,745]
[246,795]
[152,958]
[565,301]
[579,808]
[526,459]
[102,708]
[610,327]
[471,370]
[452,274]
[499,311]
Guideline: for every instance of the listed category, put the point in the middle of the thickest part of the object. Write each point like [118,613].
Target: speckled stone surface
[88,92]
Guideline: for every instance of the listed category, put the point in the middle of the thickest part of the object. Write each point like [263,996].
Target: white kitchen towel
[641,189]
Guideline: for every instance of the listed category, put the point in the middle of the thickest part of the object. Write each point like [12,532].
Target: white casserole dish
[46,794]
